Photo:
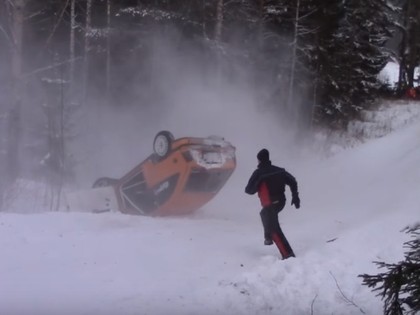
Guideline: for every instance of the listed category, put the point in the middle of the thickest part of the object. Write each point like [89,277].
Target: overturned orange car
[179,177]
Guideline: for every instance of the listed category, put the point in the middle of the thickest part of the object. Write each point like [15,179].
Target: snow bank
[390,116]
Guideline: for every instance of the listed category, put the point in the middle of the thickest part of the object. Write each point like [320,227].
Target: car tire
[162,143]
[104,182]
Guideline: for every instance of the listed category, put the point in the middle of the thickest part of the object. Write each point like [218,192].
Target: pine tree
[400,285]
[351,54]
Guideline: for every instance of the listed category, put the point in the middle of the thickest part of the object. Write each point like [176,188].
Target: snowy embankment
[354,205]
[390,116]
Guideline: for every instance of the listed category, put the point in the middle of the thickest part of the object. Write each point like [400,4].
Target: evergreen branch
[399,286]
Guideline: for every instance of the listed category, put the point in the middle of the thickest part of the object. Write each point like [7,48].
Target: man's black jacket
[270,181]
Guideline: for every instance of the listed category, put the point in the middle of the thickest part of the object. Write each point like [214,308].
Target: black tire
[162,143]
[104,182]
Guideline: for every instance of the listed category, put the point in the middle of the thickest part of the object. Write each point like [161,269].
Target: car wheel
[104,182]
[162,143]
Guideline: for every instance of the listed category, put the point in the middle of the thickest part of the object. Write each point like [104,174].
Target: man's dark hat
[263,155]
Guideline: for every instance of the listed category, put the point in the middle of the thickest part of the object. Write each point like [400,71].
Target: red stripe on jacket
[264,195]
[280,245]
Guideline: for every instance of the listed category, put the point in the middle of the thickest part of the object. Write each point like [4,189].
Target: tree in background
[328,51]
[323,56]
[7,46]
[279,32]
[399,287]
[311,61]
[56,81]
[32,27]
[409,50]
[16,10]
[351,53]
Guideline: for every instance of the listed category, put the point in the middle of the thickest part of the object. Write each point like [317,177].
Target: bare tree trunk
[314,103]
[203,10]
[261,23]
[57,23]
[413,41]
[417,40]
[61,144]
[402,76]
[402,82]
[409,50]
[290,98]
[217,37]
[88,28]
[108,49]
[72,44]
[14,119]
[219,21]
[55,160]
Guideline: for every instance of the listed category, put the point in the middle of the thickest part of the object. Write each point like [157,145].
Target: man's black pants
[272,230]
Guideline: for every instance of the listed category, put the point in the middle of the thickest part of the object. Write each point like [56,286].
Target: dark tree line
[314,61]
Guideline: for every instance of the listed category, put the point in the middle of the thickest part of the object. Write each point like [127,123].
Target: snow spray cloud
[189,94]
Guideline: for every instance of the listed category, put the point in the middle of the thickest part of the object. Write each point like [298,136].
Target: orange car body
[190,175]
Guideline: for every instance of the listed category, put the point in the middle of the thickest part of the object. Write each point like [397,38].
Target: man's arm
[252,186]
[292,183]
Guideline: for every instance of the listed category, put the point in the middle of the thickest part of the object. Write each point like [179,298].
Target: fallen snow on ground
[354,206]
[388,117]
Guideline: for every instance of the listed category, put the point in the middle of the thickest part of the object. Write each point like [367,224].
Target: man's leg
[268,219]
[279,238]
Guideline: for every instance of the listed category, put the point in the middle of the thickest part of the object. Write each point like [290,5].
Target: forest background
[312,64]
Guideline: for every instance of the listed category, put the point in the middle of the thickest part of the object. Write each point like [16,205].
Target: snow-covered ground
[354,206]
[389,116]
[386,117]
